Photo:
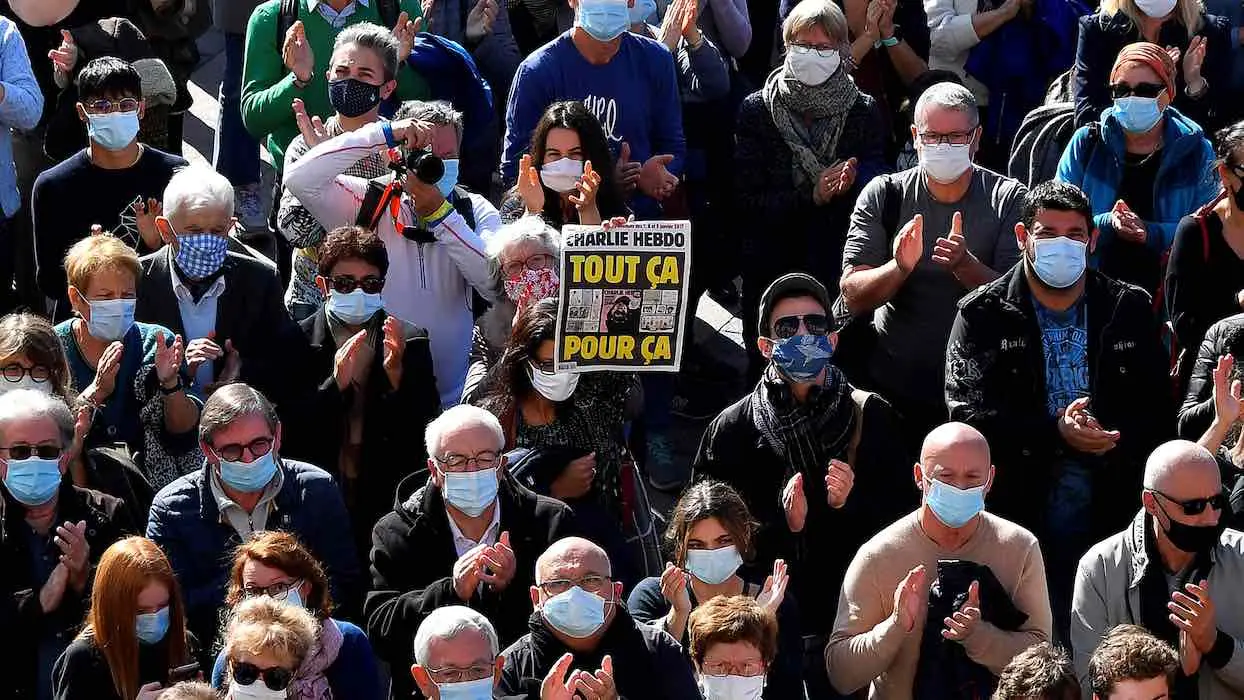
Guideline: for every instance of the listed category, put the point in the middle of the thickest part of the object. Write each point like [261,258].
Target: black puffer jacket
[1197,411]
[995,382]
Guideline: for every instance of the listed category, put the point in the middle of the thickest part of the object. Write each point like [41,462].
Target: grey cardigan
[1107,593]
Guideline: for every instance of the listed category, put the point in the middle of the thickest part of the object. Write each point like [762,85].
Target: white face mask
[809,66]
[732,687]
[561,175]
[944,162]
[554,387]
[1157,9]
[254,691]
[26,382]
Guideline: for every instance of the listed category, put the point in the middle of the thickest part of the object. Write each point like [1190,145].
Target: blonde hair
[94,254]
[262,625]
[811,13]
[1189,13]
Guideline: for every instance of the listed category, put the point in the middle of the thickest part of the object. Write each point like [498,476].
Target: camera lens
[427,167]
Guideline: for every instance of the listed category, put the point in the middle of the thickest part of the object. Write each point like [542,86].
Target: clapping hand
[655,180]
[499,563]
[628,170]
[312,128]
[599,685]
[530,187]
[967,618]
[296,53]
[1192,611]
[951,251]
[909,599]
[145,214]
[835,180]
[674,582]
[64,58]
[1227,401]
[839,479]
[480,20]
[75,552]
[1081,431]
[576,479]
[106,372]
[587,187]
[1126,223]
[909,244]
[795,503]
[168,359]
[774,590]
[1193,60]
[468,571]
[394,351]
[405,31]
[348,366]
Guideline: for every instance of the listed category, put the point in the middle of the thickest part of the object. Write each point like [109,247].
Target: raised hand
[909,598]
[394,350]
[296,53]
[312,128]
[530,187]
[951,250]
[64,58]
[655,180]
[966,619]
[909,244]
[500,562]
[145,214]
[168,359]
[674,582]
[839,479]
[480,20]
[576,479]
[1194,58]
[774,590]
[1227,401]
[75,552]
[1081,431]
[628,170]
[587,187]
[346,361]
[795,503]
[559,683]
[405,31]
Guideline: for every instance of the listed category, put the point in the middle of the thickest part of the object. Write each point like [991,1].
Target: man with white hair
[582,639]
[1176,571]
[227,306]
[456,655]
[468,536]
[958,234]
[52,534]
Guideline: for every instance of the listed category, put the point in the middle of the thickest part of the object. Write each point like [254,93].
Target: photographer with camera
[433,229]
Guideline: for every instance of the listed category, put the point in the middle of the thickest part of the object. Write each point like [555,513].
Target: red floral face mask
[531,286]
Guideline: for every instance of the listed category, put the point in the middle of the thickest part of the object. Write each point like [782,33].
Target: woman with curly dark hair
[568,176]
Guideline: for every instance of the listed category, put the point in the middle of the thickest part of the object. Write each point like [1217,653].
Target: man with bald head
[582,639]
[1176,571]
[883,605]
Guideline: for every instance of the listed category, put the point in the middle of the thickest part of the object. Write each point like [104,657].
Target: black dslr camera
[422,164]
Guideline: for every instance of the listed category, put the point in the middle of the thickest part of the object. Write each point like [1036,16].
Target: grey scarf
[806,436]
[813,147]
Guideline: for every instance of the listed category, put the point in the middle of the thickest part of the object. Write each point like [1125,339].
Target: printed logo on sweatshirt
[127,228]
[605,110]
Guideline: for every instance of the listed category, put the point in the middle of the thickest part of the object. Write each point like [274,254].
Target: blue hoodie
[1186,176]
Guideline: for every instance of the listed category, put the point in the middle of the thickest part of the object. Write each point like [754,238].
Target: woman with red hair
[135,632]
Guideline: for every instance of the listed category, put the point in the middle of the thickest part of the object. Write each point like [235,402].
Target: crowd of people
[315,443]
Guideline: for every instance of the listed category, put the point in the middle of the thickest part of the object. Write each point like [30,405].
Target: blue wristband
[388,134]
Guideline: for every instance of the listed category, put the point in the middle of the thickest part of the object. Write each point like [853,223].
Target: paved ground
[718,331]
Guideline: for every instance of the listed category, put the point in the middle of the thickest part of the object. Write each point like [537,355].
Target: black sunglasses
[1120,90]
[275,678]
[788,326]
[20,452]
[1196,506]
[257,447]
[370,284]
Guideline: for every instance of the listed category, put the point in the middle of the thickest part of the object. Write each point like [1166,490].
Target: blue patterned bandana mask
[200,255]
[802,358]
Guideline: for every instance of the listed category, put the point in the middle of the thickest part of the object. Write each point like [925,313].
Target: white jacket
[951,39]
[428,284]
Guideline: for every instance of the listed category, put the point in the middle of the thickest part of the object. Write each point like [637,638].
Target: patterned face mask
[200,255]
[352,97]
[532,285]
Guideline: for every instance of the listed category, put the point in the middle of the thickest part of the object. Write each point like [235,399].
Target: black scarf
[1154,595]
[805,435]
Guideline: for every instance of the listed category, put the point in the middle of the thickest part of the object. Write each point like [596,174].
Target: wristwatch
[176,387]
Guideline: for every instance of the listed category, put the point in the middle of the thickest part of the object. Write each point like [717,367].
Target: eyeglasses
[14,373]
[788,326]
[592,583]
[483,460]
[275,678]
[822,50]
[749,668]
[1196,506]
[127,104]
[20,452]
[370,284]
[539,261]
[543,366]
[277,591]
[450,674]
[954,138]
[232,453]
[1149,90]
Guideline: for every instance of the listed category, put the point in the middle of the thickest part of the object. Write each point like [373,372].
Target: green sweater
[268,89]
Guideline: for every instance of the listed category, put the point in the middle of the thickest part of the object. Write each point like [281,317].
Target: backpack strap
[1202,217]
[891,201]
[460,200]
[389,12]
[288,15]
[374,201]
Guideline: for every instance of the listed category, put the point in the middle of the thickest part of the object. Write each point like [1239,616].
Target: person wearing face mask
[130,374]
[710,534]
[808,142]
[361,73]
[244,486]
[265,645]
[456,656]
[1203,47]
[226,305]
[919,241]
[435,233]
[524,258]
[115,183]
[581,638]
[1205,275]
[566,144]
[733,644]
[1175,571]
[276,565]
[372,381]
[1144,167]
[813,457]
[464,532]
[883,607]
[52,534]
[135,631]
[1090,347]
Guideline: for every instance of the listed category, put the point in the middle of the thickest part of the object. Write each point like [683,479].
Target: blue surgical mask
[466,690]
[575,613]
[354,308]
[642,10]
[33,481]
[713,566]
[1137,114]
[955,507]
[604,20]
[113,131]
[293,597]
[449,180]
[802,357]
[248,478]
[110,319]
[471,492]
[151,627]
[201,255]
[1059,261]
